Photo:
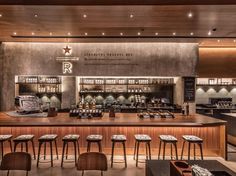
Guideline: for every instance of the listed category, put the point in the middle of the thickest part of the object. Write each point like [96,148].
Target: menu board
[189,89]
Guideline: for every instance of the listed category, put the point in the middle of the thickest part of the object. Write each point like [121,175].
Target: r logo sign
[67,67]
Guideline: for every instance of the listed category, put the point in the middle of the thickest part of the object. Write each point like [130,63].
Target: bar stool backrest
[16,161]
[92,161]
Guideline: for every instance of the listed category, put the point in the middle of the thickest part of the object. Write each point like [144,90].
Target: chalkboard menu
[189,89]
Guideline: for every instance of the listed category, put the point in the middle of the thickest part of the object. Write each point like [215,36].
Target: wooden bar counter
[212,131]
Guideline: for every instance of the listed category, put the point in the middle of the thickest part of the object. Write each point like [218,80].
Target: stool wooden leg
[112,153]
[39,153]
[176,151]
[63,152]
[164,152]
[32,142]
[149,149]
[15,144]
[171,153]
[21,146]
[56,148]
[146,150]
[10,145]
[135,149]
[189,145]
[88,146]
[159,153]
[67,150]
[182,152]
[194,151]
[124,154]
[200,146]
[78,148]
[137,153]
[51,154]
[26,146]
[100,146]
[2,148]
[44,151]
[75,152]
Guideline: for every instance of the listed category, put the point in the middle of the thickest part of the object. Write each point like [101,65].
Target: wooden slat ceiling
[117,2]
[114,20]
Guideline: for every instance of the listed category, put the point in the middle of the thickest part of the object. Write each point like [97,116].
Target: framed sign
[189,89]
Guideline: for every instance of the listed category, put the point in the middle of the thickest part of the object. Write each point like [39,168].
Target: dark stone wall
[95,59]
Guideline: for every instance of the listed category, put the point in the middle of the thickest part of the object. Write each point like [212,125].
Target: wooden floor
[117,170]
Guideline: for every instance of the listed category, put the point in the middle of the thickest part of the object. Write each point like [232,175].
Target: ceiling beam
[117,2]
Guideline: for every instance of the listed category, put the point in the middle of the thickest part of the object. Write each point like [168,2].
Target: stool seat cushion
[48,137]
[118,138]
[25,137]
[142,137]
[168,138]
[192,138]
[71,137]
[5,137]
[94,137]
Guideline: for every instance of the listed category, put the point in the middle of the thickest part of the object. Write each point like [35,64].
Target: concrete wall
[95,59]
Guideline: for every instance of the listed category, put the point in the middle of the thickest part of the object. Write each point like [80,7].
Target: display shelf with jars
[125,93]
[216,81]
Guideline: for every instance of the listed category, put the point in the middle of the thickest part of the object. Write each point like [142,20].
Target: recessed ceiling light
[85,33]
[121,33]
[190,14]
[50,33]
[139,33]
[209,33]
[0,15]
[35,15]
[191,33]
[14,33]
[156,33]
[103,33]
[84,15]
[131,15]
[174,33]
[218,41]
[234,41]
[68,33]
[32,33]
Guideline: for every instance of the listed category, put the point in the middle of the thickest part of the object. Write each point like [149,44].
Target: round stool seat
[71,137]
[192,138]
[168,138]
[5,137]
[25,137]
[118,138]
[142,137]
[48,137]
[93,137]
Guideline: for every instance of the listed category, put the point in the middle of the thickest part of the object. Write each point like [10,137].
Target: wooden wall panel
[211,135]
[217,62]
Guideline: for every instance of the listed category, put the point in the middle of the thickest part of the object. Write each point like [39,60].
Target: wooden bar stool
[191,139]
[168,139]
[94,139]
[142,138]
[50,138]
[118,139]
[4,138]
[73,138]
[24,139]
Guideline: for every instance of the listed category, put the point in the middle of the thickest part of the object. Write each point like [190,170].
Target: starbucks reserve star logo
[67,60]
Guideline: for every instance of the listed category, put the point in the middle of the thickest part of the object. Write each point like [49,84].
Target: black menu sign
[189,89]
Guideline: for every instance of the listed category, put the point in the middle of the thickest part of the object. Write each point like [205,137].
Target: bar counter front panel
[212,131]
